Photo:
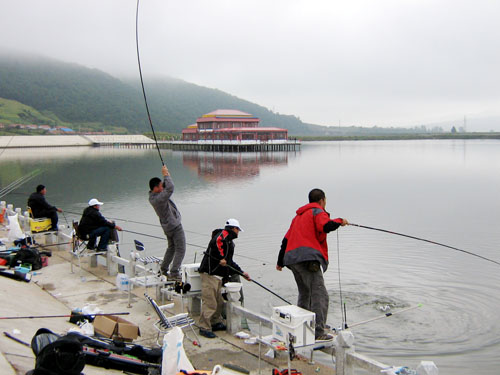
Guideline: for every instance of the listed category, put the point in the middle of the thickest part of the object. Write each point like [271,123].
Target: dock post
[233,320]
[343,346]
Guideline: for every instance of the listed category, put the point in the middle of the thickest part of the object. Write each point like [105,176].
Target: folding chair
[79,248]
[147,274]
[164,323]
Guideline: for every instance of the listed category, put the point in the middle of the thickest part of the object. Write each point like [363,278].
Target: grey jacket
[165,208]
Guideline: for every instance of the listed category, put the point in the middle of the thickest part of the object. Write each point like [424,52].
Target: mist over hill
[76,94]
[71,94]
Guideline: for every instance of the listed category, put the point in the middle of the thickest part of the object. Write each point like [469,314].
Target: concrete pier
[141,141]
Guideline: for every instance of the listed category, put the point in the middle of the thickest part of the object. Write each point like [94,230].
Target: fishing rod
[162,238]
[59,316]
[7,334]
[429,241]
[136,222]
[19,182]
[142,82]
[386,315]
[252,280]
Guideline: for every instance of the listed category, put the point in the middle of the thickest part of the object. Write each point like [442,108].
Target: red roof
[246,130]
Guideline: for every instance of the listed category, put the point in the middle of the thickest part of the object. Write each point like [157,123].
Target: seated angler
[41,208]
[93,225]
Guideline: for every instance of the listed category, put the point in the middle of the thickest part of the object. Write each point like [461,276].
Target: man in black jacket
[215,269]
[93,225]
[40,207]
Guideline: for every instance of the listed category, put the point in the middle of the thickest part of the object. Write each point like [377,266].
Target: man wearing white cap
[93,225]
[215,269]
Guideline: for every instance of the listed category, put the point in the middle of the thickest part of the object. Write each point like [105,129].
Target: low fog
[365,63]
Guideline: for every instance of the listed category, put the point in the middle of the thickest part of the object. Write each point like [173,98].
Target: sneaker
[208,334]
[324,338]
[219,327]
[90,247]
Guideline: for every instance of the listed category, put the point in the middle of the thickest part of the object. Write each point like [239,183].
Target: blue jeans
[104,233]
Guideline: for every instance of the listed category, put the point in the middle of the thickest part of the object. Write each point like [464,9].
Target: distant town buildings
[47,129]
[231,125]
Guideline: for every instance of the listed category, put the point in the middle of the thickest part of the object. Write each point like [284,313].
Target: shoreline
[142,141]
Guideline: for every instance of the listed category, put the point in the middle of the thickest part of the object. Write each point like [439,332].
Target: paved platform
[54,290]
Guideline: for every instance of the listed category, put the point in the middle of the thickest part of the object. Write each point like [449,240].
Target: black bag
[57,355]
[28,255]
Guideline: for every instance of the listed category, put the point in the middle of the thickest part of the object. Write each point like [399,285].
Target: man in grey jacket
[170,220]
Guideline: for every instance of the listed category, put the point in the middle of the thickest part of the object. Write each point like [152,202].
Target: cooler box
[191,276]
[291,319]
[40,225]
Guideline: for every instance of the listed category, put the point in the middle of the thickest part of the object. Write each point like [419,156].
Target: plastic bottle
[122,281]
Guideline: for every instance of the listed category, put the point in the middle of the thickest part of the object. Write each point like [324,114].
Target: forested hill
[79,95]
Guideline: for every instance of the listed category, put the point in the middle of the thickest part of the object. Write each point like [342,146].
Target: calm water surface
[445,191]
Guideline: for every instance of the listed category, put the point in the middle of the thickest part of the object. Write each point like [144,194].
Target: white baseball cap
[234,223]
[94,201]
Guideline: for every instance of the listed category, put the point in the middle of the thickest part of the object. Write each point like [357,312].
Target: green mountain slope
[13,112]
[76,94]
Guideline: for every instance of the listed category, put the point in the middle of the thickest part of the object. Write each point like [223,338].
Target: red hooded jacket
[306,238]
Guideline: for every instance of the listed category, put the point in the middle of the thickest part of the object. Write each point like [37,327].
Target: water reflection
[217,166]
[445,191]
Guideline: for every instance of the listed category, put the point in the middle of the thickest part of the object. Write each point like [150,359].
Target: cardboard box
[115,327]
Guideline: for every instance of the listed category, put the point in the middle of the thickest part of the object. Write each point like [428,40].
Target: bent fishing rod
[429,241]
[251,280]
[142,82]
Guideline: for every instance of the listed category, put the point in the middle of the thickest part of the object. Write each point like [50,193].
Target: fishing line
[342,311]
[160,238]
[7,145]
[138,222]
[142,82]
[265,263]
[429,241]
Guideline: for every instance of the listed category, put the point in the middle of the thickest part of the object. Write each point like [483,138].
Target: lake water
[445,191]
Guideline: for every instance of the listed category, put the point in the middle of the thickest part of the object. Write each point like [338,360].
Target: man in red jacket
[305,251]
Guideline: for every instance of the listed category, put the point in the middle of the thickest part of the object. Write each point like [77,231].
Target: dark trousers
[175,251]
[104,233]
[313,295]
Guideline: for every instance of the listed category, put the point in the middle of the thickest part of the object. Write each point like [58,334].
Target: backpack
[28,255]
[57,355]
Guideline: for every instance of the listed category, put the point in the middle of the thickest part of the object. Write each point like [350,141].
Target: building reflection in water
[215,166]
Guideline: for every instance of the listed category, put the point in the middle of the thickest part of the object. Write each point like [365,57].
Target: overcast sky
[360,62]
